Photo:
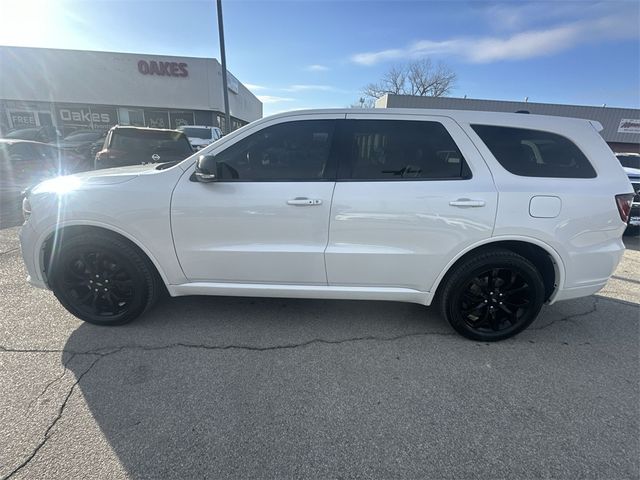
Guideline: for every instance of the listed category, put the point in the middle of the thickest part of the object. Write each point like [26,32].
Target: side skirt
[301,291]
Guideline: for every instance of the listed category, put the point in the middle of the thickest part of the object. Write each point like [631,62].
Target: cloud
[307,88]
[254,87]
[316,68]
[274,99]
[519,46]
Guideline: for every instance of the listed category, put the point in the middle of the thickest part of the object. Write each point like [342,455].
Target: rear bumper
[634,215]
[593,268]
[577,292]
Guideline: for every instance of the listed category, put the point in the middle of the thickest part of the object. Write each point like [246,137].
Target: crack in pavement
[103,351]
[570,318]
[107,351]
[10,250]
[47,433]
[57,379]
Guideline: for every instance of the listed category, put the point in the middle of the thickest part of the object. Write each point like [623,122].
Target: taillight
[624,201]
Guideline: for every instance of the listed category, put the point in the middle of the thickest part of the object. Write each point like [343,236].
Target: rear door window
[535,153]
[400,150]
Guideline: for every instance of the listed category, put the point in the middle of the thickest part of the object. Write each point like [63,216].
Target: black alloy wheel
[103,279]
[97,283]
[492,296]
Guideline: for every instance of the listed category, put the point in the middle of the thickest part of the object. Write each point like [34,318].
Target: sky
[321,53]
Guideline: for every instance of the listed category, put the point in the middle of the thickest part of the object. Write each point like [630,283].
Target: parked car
[481,213]
[201,136]
[82,142]
[44,134]
[138,145]
[631,164]
[24,163]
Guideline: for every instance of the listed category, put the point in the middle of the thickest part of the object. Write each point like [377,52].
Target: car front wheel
[102,279]
[492,295]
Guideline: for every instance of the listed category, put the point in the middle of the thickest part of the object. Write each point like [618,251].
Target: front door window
[292,151]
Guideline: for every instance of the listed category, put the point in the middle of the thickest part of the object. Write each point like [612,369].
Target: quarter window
[534,153]
[284,152]
[403,150]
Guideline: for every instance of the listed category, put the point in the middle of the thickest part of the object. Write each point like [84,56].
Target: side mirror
[206,169]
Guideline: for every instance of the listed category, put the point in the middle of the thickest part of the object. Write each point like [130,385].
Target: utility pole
[223,58]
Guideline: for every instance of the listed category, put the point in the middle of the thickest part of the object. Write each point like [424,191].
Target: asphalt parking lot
[206,387]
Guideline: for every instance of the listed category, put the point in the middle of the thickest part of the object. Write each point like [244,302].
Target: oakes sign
[163,69]
[82,116]
[96,116]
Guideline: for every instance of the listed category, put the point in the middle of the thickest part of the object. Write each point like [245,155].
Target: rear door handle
[304,201]
[467,202]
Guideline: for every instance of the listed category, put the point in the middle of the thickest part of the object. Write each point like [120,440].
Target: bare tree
[419,78]
[363,102]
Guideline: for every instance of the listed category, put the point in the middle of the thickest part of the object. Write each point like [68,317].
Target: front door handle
[467,202]
[304,202]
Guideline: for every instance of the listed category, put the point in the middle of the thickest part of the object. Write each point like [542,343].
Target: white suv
[488,214]
[200,136]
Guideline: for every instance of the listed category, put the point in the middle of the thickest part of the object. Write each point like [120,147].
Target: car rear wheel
[492,295]
[102,279]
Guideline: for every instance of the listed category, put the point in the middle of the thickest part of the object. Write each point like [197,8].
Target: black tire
[103,279]
[492,296]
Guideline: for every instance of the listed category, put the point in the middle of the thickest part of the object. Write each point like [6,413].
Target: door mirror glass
[206,168]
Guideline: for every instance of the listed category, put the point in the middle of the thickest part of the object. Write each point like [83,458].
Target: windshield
[197,132]
[629,161]
[84,137]
[24,134]
[150,140]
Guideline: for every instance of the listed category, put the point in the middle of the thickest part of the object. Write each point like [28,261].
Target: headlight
[26,208]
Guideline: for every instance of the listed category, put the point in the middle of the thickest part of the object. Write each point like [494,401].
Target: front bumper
[31,256]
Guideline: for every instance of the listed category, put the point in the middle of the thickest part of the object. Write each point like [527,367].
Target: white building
[72,89]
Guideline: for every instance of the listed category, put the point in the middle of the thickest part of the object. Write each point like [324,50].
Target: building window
[130,116]
[156,118]
[180,119]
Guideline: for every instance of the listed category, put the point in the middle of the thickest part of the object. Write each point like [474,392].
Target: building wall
[624,147]
[38,77]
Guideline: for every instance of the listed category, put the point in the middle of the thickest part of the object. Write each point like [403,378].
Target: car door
[410,195]
[266,217]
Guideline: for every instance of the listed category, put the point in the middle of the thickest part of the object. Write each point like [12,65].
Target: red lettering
[143,67]
[153,68]
[164,69]
[168,69]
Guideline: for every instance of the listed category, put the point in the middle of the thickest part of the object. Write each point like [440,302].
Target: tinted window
[287,151]
[84,137]
[629,161]
[150,141]
[401,150]
[195,132]
[533,153]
